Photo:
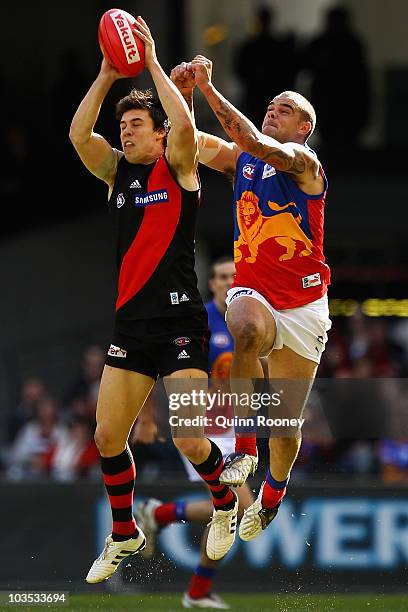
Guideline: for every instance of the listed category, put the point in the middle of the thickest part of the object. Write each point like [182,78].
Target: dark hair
[143,99]
[217,262]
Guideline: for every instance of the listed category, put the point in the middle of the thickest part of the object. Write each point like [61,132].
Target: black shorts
[159,347]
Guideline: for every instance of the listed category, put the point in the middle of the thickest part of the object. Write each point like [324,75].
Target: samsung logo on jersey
[154,197]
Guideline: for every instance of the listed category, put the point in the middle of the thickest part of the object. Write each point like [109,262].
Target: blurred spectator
[393,457]
[75,454]
[372,350]
[31,453]
[359,459]
[386,355]
[266,65]
[341,440]
[358,335]
[335,358]
[399,335]
[337,64]
[82,394]
[33,391]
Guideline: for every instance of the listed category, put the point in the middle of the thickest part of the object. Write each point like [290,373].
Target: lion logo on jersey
[254,229]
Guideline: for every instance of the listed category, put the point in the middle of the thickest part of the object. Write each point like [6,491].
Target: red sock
[210,470]
[245,443]
[201,582]
[119,475]
[273,491]
[172,512]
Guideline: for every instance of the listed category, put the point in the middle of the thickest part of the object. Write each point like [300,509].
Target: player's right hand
[109,71]
[183,77]
[141,29]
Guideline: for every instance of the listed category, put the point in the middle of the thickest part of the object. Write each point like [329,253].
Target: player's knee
[105,441]
[248,335]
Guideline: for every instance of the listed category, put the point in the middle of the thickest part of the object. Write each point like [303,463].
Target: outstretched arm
[95,152]
[182,150]
[288,157]
[214,152]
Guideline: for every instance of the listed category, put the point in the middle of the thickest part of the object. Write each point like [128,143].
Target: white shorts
[226,446]
[303,329]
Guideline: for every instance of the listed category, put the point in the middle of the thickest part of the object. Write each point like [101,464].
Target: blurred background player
[158,297]
[152,514]
[278,305]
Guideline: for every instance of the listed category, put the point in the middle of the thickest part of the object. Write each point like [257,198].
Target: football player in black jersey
[160,326]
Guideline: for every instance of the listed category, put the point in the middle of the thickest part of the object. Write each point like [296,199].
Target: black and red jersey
[155,223]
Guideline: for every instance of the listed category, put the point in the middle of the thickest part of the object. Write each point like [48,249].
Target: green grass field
[239,602]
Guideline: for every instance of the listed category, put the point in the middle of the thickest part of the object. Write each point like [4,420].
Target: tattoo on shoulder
[299,164]
[295,164]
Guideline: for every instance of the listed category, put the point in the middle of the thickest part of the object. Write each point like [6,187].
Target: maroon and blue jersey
[278,235]
[219,369]
[155,220]
[221,343]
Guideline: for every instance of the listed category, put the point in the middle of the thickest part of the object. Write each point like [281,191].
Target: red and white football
[121,47]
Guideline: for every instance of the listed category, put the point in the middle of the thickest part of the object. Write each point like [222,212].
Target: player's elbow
[73,132]
[77,135]
[74,137]
[186,127]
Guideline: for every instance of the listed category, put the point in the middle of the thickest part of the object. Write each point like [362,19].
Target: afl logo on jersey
[220,339]
[120,200]
[248,171]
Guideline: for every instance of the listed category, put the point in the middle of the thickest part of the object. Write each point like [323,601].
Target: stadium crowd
[51,438]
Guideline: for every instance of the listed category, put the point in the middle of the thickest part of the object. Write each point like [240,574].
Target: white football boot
[221,536]
[113,553]
[237,468]
[256,518]
[211,600]
[148,524]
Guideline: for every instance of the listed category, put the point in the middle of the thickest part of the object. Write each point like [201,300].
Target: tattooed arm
[214,152]
[289,157]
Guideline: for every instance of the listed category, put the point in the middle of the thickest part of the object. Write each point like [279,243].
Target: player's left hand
[183,77]
[202,69]
[141,29]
